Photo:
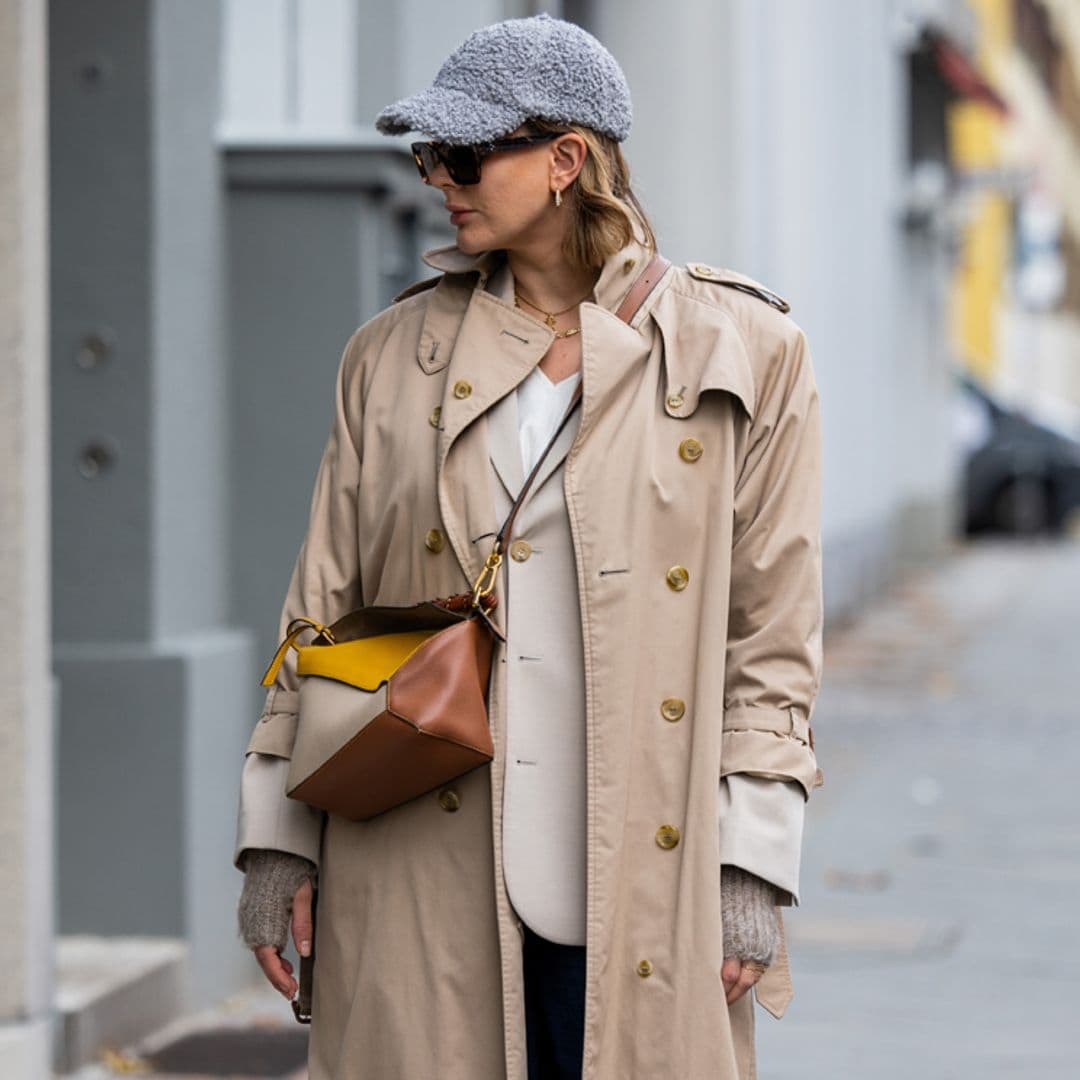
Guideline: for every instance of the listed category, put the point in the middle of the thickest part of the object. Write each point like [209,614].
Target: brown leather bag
[393,700]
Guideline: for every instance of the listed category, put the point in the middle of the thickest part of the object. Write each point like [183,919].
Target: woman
[563,912]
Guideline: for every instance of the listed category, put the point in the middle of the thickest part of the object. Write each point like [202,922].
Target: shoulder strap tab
[733,279]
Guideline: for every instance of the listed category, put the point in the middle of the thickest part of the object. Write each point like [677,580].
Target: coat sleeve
[325,585]
[761,830]
[774,629]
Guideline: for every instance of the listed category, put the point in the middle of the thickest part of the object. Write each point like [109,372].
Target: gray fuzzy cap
[514,71]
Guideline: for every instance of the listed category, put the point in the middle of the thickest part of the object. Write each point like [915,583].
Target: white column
[26,718]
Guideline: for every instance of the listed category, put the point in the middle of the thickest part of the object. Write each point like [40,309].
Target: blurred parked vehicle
[1020,476]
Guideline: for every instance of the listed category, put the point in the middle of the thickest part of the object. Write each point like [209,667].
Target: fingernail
[305,948]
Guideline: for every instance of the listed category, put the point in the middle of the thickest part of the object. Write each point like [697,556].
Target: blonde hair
[605,209]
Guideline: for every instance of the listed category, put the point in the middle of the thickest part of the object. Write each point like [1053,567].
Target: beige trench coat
[717,602]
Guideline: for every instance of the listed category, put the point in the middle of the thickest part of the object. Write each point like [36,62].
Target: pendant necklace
[550,316]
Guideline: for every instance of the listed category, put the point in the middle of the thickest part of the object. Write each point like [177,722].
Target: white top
[541,405]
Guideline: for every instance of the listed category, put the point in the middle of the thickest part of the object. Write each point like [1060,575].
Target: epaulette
[735,280]
[418,287]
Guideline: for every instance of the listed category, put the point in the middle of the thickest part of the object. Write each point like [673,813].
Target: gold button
[673,709]
[520,550]
[449,800]
[704,271]
[644,968]
[678,577]
[462,389]
[629,265]
[667,836]
[675,401]
[436,413]
[690,449]
[433,541]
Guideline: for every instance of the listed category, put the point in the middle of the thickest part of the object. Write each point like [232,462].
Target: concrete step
[113,991]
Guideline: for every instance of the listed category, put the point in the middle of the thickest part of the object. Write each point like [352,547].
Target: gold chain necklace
[551,316]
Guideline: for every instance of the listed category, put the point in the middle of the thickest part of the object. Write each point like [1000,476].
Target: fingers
[301,919]
[277,970]
[729,974]
[737,976]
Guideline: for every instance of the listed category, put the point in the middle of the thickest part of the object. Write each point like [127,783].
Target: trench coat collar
[618,274]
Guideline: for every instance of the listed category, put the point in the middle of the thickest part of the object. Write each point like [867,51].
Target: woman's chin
[470,243]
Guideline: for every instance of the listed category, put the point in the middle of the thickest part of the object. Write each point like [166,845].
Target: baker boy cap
[513,71]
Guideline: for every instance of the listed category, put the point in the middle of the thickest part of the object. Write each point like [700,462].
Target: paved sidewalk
[937,935]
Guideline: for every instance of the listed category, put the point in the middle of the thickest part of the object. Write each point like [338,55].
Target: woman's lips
[460,215]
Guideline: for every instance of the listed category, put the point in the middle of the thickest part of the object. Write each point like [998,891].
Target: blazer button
[520,550]
[449,800]
[433,541]
[690,450]
[436,415]
[678,577]
[644,968]
[667,836]
[672,709]
[462,389]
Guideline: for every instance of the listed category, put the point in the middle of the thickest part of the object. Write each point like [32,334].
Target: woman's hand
[277,969]
[738,976]
[277,892]
[748,913]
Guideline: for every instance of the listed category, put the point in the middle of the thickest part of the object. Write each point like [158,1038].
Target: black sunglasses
[463,162]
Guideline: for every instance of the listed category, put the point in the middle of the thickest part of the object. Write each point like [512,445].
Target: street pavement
[936,935]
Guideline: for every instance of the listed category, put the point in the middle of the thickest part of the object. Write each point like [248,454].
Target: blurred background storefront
[221,216]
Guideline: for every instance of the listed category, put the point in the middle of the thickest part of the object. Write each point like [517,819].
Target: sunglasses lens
[462,163]
[426,158]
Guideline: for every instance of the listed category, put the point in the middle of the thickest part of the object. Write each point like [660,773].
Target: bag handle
[638,294]
[292,632]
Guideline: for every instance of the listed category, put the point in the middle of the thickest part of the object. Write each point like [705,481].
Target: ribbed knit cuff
[748,912]
[271,879]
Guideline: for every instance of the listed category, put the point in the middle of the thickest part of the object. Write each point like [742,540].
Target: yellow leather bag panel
[365,664]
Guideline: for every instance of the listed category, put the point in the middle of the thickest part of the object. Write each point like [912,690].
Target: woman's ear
[568,153]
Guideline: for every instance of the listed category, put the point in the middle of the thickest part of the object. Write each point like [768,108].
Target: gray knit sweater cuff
[748,913]
[271,879]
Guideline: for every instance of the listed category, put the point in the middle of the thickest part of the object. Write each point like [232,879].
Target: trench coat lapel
[496,348]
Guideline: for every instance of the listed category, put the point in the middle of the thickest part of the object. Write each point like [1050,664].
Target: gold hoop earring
[558,197]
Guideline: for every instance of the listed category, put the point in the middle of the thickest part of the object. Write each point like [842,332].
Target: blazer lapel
[506,444]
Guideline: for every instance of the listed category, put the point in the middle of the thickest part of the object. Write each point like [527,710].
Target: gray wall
[156,685]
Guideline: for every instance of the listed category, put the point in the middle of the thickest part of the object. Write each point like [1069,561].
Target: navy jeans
[554,1008]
